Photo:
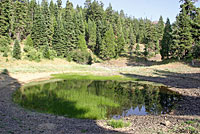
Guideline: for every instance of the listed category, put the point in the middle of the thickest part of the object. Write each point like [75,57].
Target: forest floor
[179,77]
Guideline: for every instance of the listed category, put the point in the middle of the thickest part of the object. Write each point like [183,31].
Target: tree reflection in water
[97,99]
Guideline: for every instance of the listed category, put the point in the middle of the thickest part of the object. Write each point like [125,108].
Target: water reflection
[96,99]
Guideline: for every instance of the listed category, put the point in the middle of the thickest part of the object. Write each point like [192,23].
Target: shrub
[81,57]
[33,55]
[16,50]
[118,123]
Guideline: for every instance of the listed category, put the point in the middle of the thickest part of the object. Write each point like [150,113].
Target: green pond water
[94,99]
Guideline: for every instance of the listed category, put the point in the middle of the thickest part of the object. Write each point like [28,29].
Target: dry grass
[23,68]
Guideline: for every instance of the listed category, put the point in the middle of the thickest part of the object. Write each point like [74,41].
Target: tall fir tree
[166,41]
[69,28]
[160,28]
[48,22]
[20,15]
[5,17]
[58,42]
[16,50]
[182,37]
[39,32]
[107,49]
[92,31]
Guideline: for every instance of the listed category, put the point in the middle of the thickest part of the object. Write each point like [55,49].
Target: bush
[33,54]
[81,57]
[16,50]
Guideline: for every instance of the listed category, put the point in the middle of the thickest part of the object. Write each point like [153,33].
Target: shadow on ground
[186,84]
[14,119]
[142,61]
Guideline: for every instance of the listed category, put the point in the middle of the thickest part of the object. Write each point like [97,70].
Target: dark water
[96,99]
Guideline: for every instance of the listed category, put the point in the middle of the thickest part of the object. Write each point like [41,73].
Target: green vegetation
[91,77]
[118,123]
[16,50]
[190,127]
[51,30]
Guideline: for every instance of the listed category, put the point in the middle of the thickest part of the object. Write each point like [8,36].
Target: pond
[95,99]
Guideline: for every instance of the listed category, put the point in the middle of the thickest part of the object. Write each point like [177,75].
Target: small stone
[166,123]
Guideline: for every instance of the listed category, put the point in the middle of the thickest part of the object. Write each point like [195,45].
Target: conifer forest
[75,33]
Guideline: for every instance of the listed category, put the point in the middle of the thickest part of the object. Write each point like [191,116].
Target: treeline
[75,33]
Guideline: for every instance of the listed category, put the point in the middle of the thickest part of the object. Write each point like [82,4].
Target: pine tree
[132,40]
[59,3]
[160,28]
[39,33]
[166,41]
[58,42]
[109,14]
[119,38]
[69,28]
[182,37]
[20,13]
[46,52]
[32,6]
[52,8]
[82,43]
[48,28]
[92,30]
[16,50]
[5,17]
[196,33]
[137,49]
[107,49]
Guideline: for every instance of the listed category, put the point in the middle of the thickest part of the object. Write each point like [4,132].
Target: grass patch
[91,77]
[118,123]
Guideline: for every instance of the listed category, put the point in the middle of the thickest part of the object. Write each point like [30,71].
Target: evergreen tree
[132,40]
[59,3]
[92,30]
[39,33]
[109,14]
[182,42]
[16,50]
[20,15]
[32,6]
[196,33]
[52,8]
[107,49]
[160,28]
[82,43]
[166,41]
[137,49]
[5,17]
[48,22]
[46,52]
[69,29]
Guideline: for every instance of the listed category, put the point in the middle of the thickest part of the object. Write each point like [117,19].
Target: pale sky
[152,9]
